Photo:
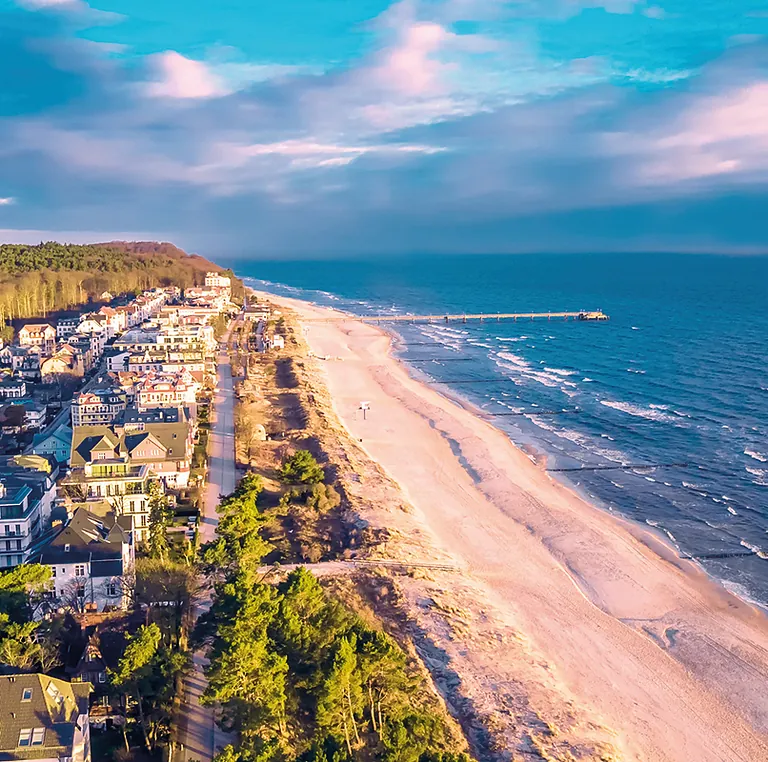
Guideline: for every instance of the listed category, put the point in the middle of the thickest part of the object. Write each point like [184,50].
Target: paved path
[198,731]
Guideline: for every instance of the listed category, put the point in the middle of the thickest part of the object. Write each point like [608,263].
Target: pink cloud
[712,136]
[180,77]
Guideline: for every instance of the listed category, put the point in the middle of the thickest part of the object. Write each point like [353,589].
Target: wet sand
[658,652]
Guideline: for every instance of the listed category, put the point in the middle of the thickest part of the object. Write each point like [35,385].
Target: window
[53,571]
[26,694]
[25,737]
[80,570]
[67,548]
[38,735]
[80,591]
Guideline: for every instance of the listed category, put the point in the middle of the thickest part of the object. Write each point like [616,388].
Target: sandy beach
[633,645]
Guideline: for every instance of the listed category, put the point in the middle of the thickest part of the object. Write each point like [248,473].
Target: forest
[48,277]
[299,676]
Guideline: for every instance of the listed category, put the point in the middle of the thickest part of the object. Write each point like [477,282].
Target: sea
[659,414]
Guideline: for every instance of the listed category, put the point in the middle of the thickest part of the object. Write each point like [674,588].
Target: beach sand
[561,609]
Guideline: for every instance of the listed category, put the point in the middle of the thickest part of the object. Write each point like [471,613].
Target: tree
[302,468]
[341,697]
[160,518]
[135,665]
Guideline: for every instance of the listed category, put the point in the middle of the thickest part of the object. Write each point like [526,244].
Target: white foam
[561,371]
[587,380]
[639,412]
[756,549]
[756,455]
[732,511]
[636,370]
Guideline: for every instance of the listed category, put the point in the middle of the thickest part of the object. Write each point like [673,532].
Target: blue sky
[330,126]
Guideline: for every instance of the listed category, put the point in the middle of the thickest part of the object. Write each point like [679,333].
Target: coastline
[643,603]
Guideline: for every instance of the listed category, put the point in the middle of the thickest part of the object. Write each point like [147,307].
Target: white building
[26,501]
[12,388]
[98,406]
[91,560]
[216,280]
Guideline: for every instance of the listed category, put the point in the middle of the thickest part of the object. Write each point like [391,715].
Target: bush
[302,468]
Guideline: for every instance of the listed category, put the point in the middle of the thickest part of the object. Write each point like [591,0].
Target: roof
[88,538]
[12,381]
[53,705]
[61,433]
[36,327]
[123,437]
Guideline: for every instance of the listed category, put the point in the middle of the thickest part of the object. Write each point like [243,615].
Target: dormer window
[26,694]
[67,548]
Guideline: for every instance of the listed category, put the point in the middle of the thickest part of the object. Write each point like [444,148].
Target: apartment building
[98,406]
[26,501]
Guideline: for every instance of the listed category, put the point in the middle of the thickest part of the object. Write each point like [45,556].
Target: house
[159,389]
[161,439]
[85,345]
[56,444]
[106,296]
[98,328]
[35,414]
[67,326]
[41,335]
[115,321]
[98,406]
[44,718]
[26,502]
[67,363]
[12,388]
[91,559]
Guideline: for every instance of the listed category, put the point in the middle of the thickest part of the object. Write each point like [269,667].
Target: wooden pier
[464,317]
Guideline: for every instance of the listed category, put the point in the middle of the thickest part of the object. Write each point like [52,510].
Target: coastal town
[104,426]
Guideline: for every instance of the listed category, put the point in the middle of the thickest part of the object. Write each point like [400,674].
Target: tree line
[47,277]
[299,677]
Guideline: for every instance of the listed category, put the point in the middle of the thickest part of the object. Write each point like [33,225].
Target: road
[198,732]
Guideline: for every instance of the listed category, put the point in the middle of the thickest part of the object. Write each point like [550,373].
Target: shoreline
[655,538]
[603,597]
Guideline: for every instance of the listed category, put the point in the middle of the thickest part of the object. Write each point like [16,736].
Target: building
[12,388]
[40,335]
[91,560]
[198,337]
[44,718]
[162,440]
[217,280]
[98,406]
[158,389]
[114,483]
[117,363]
[68,363]
[65,327]
[56,444]
[137,340]
[26,501]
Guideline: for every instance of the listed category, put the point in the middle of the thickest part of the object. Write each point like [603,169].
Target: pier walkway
[463,317]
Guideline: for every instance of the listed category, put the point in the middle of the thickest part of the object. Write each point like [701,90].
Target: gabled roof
[87,538]
[52,704]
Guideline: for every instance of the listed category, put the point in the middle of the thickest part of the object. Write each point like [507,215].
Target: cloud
[7,201]
[176,76]
[438,135]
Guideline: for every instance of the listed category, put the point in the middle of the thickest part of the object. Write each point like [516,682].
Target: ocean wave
[649,413]
[636,370]
[756,455]
[756,549]
[761,474]
[560,371]
[515,338]
[587,380]
[732,510]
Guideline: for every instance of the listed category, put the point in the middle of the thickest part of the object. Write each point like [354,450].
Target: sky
[263,128]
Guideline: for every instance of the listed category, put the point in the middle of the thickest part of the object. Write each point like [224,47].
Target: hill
[48,277]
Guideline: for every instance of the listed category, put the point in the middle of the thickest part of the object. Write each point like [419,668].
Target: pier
[590,315]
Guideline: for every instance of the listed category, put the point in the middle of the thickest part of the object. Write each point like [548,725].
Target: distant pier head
[464,317]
